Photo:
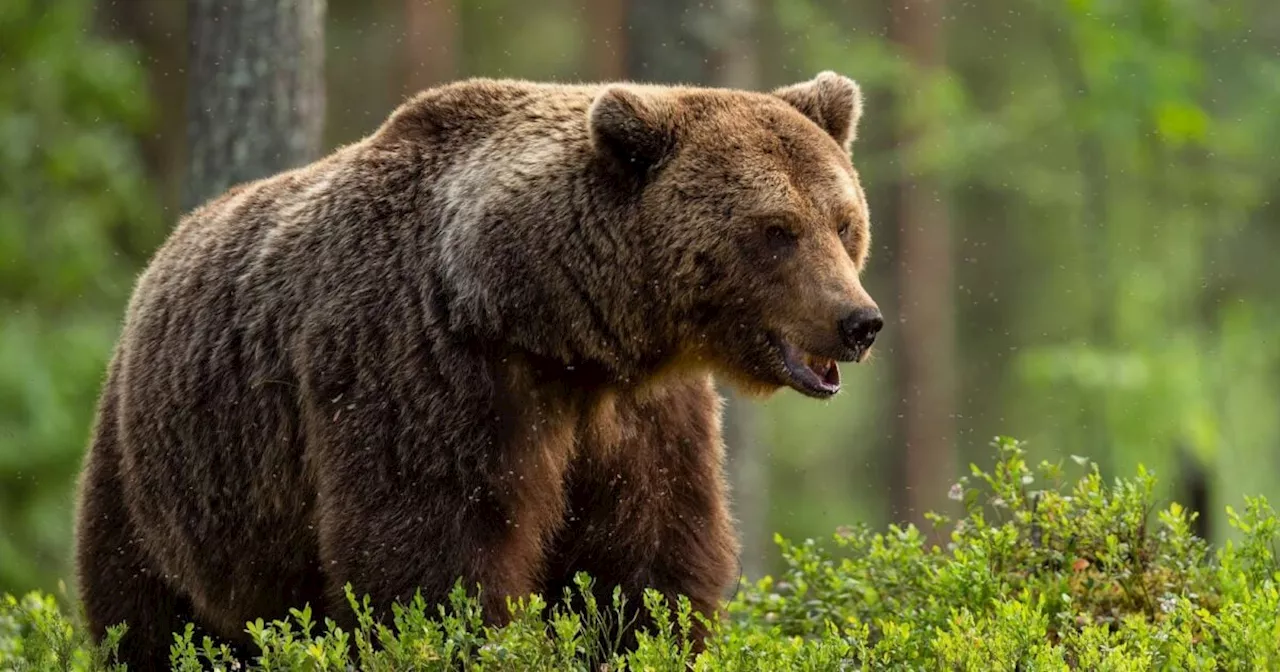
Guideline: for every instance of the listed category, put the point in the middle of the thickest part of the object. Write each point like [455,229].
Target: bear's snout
[858,329]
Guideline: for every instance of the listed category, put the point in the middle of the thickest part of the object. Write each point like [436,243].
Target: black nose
[859,329]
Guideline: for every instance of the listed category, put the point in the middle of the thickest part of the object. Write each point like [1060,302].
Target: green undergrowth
[1050,568]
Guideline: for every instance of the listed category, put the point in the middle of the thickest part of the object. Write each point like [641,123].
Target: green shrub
[1044,572]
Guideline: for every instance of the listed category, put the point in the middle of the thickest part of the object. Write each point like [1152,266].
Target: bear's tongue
[817,375]
[824,368]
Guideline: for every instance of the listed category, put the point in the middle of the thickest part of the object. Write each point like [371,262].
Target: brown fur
[476,344]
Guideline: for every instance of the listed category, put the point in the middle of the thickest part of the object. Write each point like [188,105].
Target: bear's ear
[830,100]
[635,129]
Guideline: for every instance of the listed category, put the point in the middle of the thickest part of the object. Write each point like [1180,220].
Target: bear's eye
[779,236]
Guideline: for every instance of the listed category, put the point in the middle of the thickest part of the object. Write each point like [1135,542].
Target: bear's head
[756,222]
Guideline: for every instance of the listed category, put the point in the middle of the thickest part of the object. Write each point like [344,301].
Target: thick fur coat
[477,344]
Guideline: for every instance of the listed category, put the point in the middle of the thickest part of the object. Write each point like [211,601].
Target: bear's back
[243,313]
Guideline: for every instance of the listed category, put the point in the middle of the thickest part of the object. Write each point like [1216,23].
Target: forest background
[1073,209]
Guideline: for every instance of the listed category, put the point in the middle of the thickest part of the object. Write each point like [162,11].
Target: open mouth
[812,375]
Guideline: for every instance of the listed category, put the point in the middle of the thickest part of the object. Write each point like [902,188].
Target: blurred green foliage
[1109,168]
[77,217]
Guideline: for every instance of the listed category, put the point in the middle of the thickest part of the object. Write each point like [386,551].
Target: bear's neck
[560,283]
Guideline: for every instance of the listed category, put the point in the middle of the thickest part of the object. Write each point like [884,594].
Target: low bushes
[1045,571]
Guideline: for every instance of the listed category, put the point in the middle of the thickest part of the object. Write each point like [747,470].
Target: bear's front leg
[403,509]
[648,505]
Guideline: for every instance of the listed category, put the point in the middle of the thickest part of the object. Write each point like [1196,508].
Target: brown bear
[477,344]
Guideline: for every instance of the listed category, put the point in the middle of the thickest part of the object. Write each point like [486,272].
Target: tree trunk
[673,41]
[737,67]
[926,359]
[607,39]
[431,47]
[711,44]
[255,104]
